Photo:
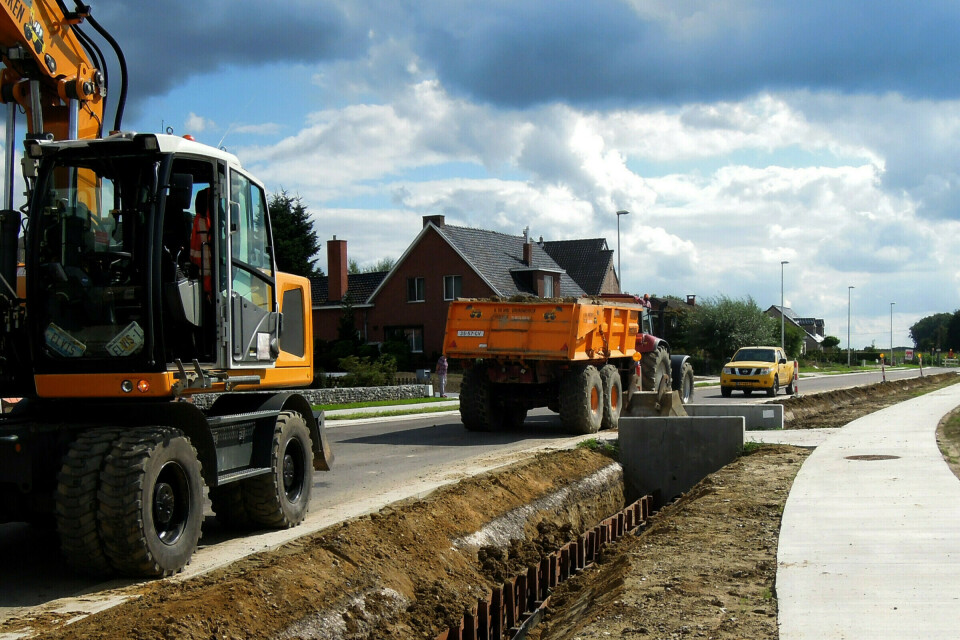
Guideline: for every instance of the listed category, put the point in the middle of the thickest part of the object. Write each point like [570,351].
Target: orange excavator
[155,344]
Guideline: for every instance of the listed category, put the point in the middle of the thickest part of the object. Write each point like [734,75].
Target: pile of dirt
[409,571]
[837,408]
[705,567]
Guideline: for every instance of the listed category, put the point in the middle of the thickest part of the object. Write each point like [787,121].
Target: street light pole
[849,289]
[782,262]
[622,212]
[892,362]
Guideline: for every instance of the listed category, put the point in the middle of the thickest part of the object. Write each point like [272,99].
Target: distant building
[812,328]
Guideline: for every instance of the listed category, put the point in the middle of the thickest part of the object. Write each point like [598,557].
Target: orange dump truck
[579,358]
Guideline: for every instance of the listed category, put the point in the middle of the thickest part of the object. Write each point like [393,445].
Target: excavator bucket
[650,404]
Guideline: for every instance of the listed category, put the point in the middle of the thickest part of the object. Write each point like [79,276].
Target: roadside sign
[908,355]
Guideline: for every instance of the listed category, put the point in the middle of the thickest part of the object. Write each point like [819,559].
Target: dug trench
[704,566]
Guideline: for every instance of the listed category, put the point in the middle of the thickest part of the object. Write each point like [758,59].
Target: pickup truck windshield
[755,355]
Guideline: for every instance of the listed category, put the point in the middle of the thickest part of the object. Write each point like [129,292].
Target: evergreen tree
[296,244]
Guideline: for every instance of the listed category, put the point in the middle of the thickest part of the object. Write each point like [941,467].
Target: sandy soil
[704,567]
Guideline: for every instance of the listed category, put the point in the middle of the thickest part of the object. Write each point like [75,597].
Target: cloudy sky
[738,133]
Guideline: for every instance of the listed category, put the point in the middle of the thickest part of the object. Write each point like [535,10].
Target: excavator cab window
[88,261]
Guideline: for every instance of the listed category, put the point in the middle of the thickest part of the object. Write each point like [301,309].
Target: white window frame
[548,289]
[456,283]
[420,289]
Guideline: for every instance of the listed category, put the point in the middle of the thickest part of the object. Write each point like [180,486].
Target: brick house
[329,293]
[445,262]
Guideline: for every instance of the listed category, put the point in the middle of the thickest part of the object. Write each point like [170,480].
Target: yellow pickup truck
[756,368]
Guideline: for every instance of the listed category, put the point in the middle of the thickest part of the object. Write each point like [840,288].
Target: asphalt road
[378,461]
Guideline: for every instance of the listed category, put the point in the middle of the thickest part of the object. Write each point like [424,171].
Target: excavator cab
[117,280]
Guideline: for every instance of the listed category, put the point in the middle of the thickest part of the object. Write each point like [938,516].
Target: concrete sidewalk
[870,538]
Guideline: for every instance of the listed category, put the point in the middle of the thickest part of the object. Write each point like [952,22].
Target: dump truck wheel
[151,502]
[281,498]
[229,507]
[653,367]
[687,383]
[76,503]
[478,411]
[612,396]
[581,400]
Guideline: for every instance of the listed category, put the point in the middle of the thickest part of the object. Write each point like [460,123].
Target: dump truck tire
[76,502]
[280,499]
[229,506]
[612,396]
[581,400]
[686,383]
[151,502]
[653,367]
[478,410]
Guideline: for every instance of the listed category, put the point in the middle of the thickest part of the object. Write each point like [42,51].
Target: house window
[415,290]
[413,336]
[548,286]
[452,287]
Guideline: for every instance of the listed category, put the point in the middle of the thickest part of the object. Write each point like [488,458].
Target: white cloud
[198,124]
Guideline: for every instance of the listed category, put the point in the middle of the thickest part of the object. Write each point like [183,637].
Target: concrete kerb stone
[665,457]
[756,417]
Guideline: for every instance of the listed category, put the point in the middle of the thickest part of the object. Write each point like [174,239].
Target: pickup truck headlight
[764,370]
[728,371]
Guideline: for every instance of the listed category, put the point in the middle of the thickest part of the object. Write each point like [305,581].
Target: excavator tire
[581,400]
[612,396]
[280,499]
[478,409]
[653,366]
[151,502]
[76,502]
[686,383]
[229,506]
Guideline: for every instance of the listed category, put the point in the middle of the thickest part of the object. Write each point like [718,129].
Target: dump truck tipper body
[576,356]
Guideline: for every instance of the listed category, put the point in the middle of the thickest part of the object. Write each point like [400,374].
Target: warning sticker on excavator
[62,342]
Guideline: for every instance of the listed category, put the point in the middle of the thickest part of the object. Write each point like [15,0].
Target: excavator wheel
[653,367]
[581,400]
[229,507]
[612,396]
[281,498]
[479,411]
[76,502]
[151,502]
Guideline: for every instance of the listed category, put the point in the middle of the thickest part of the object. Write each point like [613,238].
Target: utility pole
[782,262]
[849,289]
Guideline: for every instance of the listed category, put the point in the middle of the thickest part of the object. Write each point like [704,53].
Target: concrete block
[756,416]
[665,457]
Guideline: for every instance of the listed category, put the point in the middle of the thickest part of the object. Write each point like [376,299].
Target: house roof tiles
[579,258]
[498,257]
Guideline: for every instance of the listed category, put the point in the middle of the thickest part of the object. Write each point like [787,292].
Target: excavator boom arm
[47,67]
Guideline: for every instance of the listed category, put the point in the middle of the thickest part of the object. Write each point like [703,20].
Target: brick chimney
[438,220]
[527,248]
[336,269]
